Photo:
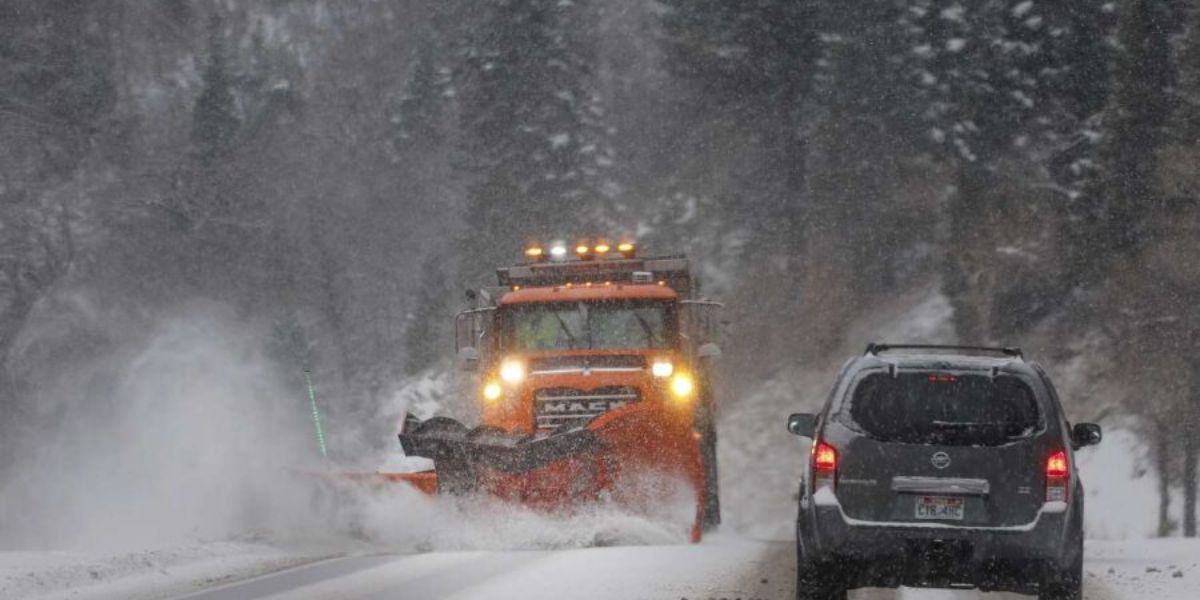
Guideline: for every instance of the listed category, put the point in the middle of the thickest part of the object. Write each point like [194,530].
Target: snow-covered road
[721,568]
[718,569]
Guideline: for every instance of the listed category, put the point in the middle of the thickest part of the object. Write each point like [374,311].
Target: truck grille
[557,407]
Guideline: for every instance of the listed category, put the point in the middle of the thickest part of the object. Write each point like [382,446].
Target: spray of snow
[190,442]
[198,441]
[395,518]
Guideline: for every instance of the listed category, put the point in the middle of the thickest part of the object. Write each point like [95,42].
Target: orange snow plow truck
[594,372]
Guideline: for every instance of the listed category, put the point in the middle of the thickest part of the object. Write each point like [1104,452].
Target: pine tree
[417,114]
[535,145]
[987,82]
[754,64]
[425,333]
[1188,136]
[215,120]
[57,99]
[1083,91]
[750,69]
[1142,103]
[865,99]
[983,67]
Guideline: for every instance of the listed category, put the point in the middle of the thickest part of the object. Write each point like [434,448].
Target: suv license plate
[940,507]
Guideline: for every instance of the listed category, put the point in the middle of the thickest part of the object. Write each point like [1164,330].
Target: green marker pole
[316,414]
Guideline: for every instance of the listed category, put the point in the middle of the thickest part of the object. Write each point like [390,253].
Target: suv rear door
[961,448]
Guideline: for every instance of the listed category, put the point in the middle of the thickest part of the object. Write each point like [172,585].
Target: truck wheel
[1066,584]
[819,581]
[712,495]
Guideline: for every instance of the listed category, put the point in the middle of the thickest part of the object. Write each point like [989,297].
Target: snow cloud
[193,440]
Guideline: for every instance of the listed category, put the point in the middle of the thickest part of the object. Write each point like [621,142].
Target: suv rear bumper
[886,553]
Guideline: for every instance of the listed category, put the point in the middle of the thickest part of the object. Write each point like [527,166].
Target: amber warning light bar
[584,250]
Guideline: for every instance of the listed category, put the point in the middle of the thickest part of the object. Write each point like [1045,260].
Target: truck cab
[563,341]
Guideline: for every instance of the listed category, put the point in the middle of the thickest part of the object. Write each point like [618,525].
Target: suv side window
[1064,423]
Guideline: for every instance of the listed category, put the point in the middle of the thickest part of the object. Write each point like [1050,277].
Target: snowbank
[1164,569]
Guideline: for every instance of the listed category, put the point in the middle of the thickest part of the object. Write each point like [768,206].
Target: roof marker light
[558,251]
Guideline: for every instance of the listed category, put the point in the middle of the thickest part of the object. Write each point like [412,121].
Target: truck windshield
[587,325]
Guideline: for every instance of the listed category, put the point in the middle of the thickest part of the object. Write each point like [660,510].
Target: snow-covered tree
[215,120]
[535,144]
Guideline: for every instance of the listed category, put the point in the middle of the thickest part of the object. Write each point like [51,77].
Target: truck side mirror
[802,424]
[1086,434]
[468,359]
[708,350]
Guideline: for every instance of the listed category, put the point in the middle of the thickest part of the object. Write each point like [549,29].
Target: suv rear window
[943,409]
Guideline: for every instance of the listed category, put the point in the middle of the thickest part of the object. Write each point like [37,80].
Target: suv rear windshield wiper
[1010,429]
[967,424]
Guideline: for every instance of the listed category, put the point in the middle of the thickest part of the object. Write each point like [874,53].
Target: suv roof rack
[1010,351]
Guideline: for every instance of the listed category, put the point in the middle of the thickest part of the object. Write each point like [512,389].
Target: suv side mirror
[802,424]
[1086,434]
[468,359]
[708,350]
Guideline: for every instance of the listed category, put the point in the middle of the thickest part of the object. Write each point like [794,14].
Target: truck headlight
[662,368]
[512,371]
[683,386]
[492,391]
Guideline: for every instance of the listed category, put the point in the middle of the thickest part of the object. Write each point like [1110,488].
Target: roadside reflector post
[316,414]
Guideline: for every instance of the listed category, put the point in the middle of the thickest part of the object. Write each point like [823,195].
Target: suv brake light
[824,465]
[1057,476]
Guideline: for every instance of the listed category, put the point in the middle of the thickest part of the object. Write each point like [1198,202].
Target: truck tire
[1066,584]
[819,581]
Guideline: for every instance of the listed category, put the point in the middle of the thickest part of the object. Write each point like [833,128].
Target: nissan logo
[940,460]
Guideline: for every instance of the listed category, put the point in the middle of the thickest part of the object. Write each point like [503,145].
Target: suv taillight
[824,465]
[1058,474]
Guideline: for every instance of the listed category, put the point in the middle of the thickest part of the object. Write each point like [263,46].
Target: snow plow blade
[559,471]
[447,441]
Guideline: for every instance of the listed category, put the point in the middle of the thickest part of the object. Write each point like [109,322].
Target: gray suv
[941,466]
